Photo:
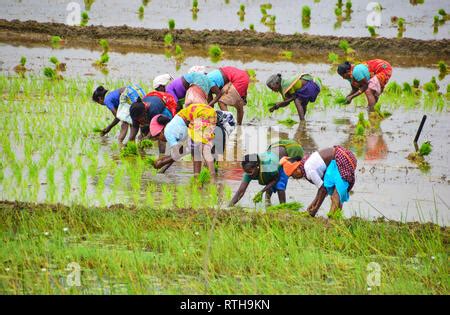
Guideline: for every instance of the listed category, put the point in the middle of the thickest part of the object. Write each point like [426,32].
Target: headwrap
[200,69]
[289,167]
[155,126]
[162,79]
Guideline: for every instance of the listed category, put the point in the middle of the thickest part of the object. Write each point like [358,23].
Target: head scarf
[155,126]
[162,79]
[200,69]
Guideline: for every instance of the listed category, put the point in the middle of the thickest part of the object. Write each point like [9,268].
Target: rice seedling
[264,7]
[241,12]
[339,4]
[171,24]
[432,86]
[407,89]
[215,53]
[306,16]
[84,18]
[56,41]
[129,150]
[146,144]
[401,27]
[204,177]
[372,31]
[418,157]
[290,206]
[379,113]
[252,27]
[179,52]
[21,67]
[168,40]
[51,187]
[339,17]
[140,12]
[252,74]
[348,8]
[425,149]
[288,122]
[393,88]
[54,73]
[442,69]
[359,135]
[436,21]
[167,197]
[340,100]
[104,57]
[416,83]
[145,2]
[444,15]
[149,199]
[88,4]
[286,54]
[336,215]
[345,46]
[333,58]
[195,8]
[83,182]
[67,178]
[257,198]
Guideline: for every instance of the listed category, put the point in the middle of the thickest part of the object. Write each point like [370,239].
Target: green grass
[146,251]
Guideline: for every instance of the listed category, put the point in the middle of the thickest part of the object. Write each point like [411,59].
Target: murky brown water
[218,14]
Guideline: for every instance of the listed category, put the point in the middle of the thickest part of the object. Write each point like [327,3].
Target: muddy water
[134,66]
[218,14]
[387,183]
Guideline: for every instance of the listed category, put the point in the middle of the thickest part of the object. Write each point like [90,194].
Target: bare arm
[317,202]
[239,193]
[282,104]
[218,94]
[163,160]
[363,85]
[270,184]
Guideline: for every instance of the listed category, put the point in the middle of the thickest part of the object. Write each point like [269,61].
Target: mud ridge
[237,215]
[142,37]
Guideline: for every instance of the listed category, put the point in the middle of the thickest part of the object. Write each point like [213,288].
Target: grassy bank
[145,251]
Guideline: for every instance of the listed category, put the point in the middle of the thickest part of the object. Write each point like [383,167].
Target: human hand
[104,132]
[273,108]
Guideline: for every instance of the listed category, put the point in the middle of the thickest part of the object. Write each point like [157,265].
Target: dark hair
[273,79]
[99,92]
[163,120]
[137,109]
[343,68]
[295,159]
[250,160]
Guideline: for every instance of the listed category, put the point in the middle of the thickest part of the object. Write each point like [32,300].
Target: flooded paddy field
[80,216]
[222,15]
[389,185]
[147,64]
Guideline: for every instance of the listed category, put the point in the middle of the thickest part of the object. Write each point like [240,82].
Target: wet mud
[142,37]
